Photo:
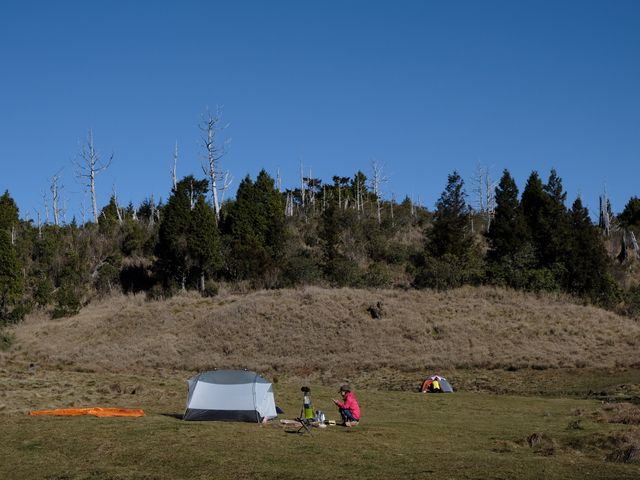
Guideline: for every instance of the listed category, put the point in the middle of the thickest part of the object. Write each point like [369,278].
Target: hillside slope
[331,332]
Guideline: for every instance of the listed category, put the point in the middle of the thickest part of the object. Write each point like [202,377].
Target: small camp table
[305,423]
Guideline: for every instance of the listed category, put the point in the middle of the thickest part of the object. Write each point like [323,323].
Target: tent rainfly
[445,386]
[230,395]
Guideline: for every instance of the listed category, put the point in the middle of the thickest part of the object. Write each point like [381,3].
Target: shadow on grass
[177,416]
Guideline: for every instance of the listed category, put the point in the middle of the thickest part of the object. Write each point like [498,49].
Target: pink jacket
[350,403]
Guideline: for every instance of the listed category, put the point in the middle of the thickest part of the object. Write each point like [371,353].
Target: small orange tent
[95,411]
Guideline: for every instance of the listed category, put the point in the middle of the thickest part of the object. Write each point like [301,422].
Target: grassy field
[403,434]
[559,398]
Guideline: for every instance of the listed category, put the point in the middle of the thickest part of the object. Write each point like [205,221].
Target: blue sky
[422,87]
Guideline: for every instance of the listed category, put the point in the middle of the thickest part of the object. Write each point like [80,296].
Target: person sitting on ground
[348,407]
[435,386]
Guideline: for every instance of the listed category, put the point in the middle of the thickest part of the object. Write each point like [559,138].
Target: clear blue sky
[423,87]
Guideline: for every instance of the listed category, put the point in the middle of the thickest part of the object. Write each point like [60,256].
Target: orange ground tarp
[95,411]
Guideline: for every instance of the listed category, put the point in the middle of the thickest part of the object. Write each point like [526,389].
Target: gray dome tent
[230,395]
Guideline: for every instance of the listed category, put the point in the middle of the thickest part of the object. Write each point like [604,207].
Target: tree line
[339,233]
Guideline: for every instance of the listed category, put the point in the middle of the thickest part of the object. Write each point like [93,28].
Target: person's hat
[345,388]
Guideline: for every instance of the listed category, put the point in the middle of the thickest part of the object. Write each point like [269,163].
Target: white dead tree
[152,212]
[288,208]
[605,215]
[55,198]
[39,224]
[303,187]
[227,179]
[634,244]
[393,200]
[88,166]
[484,189]
[211,126]
[378,178]
[45,204]
[174,168]
[115,200]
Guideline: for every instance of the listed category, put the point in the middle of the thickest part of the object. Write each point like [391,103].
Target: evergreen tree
[203,242]
[172,249]
[588,262]
[452,257]
[450,233]
[534,206]
[11,284]
[555,237]
[510,256]
[8,212]
[508,232]
[630,216]
[108,218]
[256,229]
[339,267]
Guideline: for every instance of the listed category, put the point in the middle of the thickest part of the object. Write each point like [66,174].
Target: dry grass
[330,333]
[128,352]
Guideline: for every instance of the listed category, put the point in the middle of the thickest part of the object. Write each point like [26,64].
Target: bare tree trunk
[302,185]
[393,200]
[45,202]
[210,125]
[484,188]
[55,198]
[634,244]
[377,179]
[152,214]
[174,169]
[88,166]
[115,199]
[39,225]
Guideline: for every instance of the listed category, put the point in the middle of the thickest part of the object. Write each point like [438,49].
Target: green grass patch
[402,435]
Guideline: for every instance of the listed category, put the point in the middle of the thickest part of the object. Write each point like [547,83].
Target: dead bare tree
[211,126]
[88,166]
[378,178]
[174,169]
[303,187]
[605,213]
[45,204]
[55,197]
[484,189]
[115,200]
[634,244]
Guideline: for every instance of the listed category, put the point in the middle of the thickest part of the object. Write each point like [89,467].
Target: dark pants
[346,415]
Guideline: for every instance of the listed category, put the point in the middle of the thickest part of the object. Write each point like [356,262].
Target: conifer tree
[256,228]
[203,243]
[630,216]
[555,238]
[450,232]
[172,249]
[11,284]
[8,212]
[451,253]
[587,262]
[534,206]
[508,232]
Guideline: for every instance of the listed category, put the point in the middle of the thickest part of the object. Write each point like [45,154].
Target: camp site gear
[307,409]
[230,395]
[445,386]
[95,411]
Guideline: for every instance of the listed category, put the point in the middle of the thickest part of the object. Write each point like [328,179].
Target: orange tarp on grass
[95,411]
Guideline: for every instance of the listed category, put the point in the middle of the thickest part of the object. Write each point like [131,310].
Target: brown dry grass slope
[329,332]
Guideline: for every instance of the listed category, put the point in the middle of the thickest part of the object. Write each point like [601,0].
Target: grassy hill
[530,372]
[332,332]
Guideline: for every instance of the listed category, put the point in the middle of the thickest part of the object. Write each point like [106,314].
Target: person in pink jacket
[348,407]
